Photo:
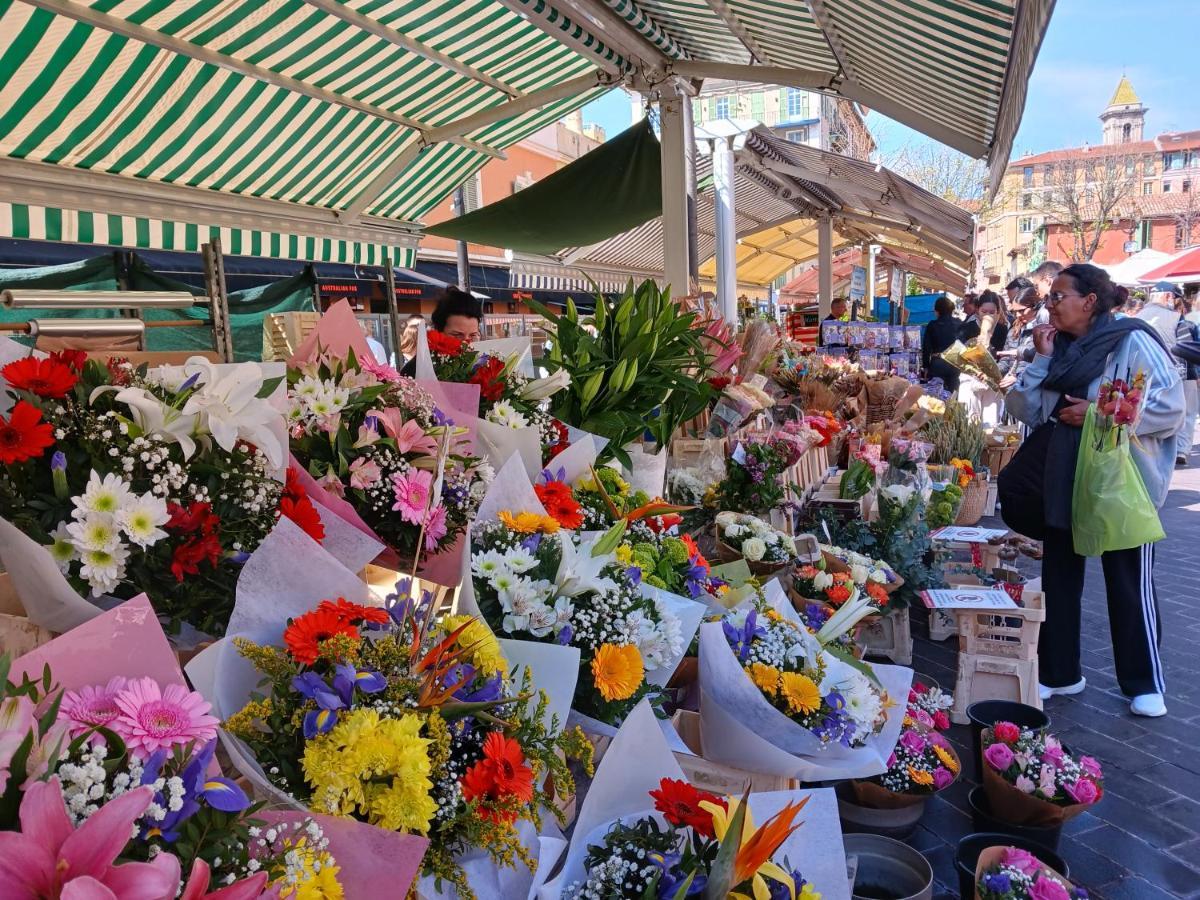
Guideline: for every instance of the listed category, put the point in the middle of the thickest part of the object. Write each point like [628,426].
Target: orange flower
[304,634]
[876,592]
[838,594]
[920,776]
[560,503]
[354,612]
[501,775]
[618,671]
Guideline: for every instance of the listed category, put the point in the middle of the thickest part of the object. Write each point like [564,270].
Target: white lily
[853,611]
[541,388]
[231,409]
[157,419]
[579,570]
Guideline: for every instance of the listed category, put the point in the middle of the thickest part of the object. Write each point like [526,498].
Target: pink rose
[1054,754]
[1022,860]
[998,756]
[941,721]
[924,719]
[1006,732]
[1084,791]
[1025,785]
[942,778]
[1048,889]
[912,742]
[1089,766]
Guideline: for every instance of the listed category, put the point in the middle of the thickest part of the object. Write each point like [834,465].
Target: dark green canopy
[616,187]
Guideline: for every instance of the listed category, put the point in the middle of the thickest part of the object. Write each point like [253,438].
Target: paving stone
[1134,888]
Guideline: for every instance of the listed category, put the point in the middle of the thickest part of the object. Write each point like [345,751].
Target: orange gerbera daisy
[947,758]
[502,774]
[528,522]
[920,776]
[560,503]
[304,634]
[618,671]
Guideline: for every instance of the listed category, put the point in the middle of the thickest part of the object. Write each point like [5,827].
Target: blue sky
[1088,45]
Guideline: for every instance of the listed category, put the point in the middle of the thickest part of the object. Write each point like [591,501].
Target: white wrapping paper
[577,460]
[639,758]
[552,669]
[739,727]
[489,881]
[648,471]
[47,596]
[503,348]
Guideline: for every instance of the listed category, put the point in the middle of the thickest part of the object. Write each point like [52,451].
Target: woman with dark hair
[1082,345]
[939,335]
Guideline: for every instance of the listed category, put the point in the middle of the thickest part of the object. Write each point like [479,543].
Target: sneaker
[1180,461]
[1067,691]
[1149,705]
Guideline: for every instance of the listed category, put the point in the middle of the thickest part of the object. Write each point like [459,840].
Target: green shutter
[757,112]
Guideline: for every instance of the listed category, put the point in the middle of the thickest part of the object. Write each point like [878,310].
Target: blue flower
[190,383]
[346,678]
[222,794]
[440,418]
[997,883]
[634,575]
[532,543]
[319,721]
[673,877]
[58,462]
[740,639]
[564,636]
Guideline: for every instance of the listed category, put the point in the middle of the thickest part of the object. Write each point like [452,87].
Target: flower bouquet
[753,481]
[975,361]
[944,503]
[777,698]
[764,548]
[509,397]
[676,851]
[642,820]
[1031,779]
[922,764]
[607,498]
[377,441]
[671,563]
[927,705]
[413,724]
[1008,873]
[834,588]
[133,480]
[863,570]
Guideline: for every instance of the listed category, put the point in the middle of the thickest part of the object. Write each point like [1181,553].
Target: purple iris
[58,462]
[532,543]
[564,636]
[560,475]
[440,418]
[673,876]
[814,616]
[488,692]
[998,883]
[740,639]
[219,793]
[779,890]
[371,423]
[634,575]
[324,717]
[189,384]
[346,678]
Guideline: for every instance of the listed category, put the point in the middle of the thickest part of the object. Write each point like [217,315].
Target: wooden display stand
[888,636]
[18,635]
[997,655]
[284,332]
[714,777]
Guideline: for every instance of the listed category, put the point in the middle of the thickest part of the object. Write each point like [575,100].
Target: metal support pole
[689,144]
[389,277]
[723,199]
[218,298]
[825,264]
[872,251]
[674,195]
[464,260]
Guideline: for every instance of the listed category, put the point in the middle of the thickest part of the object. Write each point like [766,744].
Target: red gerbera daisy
[43,377]
[444,345]
[354,612]
[24,436]
[302,511]
[501,775]
[487,376]
[75,359]
[679,803]
[304,634]
[560,503]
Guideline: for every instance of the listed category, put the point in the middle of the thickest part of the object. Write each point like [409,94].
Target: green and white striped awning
[342,122]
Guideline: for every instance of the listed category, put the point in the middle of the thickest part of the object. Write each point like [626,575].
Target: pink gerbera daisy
[153,717]
[435,527]
[412,494]
[92,706]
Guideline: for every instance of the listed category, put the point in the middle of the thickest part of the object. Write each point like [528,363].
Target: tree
[1187,217]
[940,170]
[1087,194]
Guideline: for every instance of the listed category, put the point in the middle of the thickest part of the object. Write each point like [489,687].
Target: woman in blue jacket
[1081,346]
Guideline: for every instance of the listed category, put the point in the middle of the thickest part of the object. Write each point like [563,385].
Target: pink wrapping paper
[337,333]
[374,862]
[126,640]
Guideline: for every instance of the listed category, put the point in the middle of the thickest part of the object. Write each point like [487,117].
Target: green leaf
[268,387]
[682,892]
[720,877]
[610,540]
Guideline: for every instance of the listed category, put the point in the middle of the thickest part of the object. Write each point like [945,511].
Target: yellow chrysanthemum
[808,892]
[765,678]
[624,554]
[618,671]
[920,776]
[529,522]
[947,758]
[774,616]
[801,693]
[373,768]
[482,649]
[313,876]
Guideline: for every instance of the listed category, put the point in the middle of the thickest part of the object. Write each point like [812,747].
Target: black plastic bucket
[984,819]
[966,857]
[987,713]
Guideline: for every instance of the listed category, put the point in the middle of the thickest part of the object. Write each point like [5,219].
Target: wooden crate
[888,636]
[997,655]
[716,778]
[283,332]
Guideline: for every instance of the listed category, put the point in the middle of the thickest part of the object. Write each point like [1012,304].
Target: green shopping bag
[1110,507]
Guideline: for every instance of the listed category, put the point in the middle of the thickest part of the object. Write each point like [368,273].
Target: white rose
[725,519]
[900,493]
[858,574]
[878,576]
[754,549]
[735,530]
[822,580]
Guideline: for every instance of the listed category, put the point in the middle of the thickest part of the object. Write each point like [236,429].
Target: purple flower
[58,462]
[564,636]
[634,575]
[319,721]
[223,795]
[346,678]
[440,418]
[532,543]
[371,422]
[997,883]
[912,742]
[559,475]
[487,692]
[999,756]
[190,383]
[740,639]
[313,687]
[942,778]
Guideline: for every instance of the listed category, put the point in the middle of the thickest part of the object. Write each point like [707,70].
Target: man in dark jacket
[940,334]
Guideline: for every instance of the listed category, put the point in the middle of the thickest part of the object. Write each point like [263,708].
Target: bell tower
[1125,116]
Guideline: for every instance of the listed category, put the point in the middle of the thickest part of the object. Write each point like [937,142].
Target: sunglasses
[1056,297]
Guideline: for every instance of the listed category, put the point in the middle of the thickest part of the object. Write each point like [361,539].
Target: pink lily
[332,483]
[48,859]
[197,886]
[364,472]
[16,721]
[408,435]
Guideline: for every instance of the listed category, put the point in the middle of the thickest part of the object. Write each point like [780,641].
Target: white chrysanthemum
[488,564]
[308,386]
[98,531]
[503,413]
[62,550]
[104,569]
[858,574]
[519,560]
[141,518]
[105,495]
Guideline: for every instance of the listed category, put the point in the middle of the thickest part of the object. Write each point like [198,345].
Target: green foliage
[637,363]
[857,481]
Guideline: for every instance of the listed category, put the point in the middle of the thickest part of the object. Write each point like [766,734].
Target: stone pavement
[1142,841]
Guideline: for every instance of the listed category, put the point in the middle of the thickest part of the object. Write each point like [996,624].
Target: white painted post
[674,194]
[723,176]
[872,254]
[825,264]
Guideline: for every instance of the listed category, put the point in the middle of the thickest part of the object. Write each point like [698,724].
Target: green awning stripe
[25,222]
